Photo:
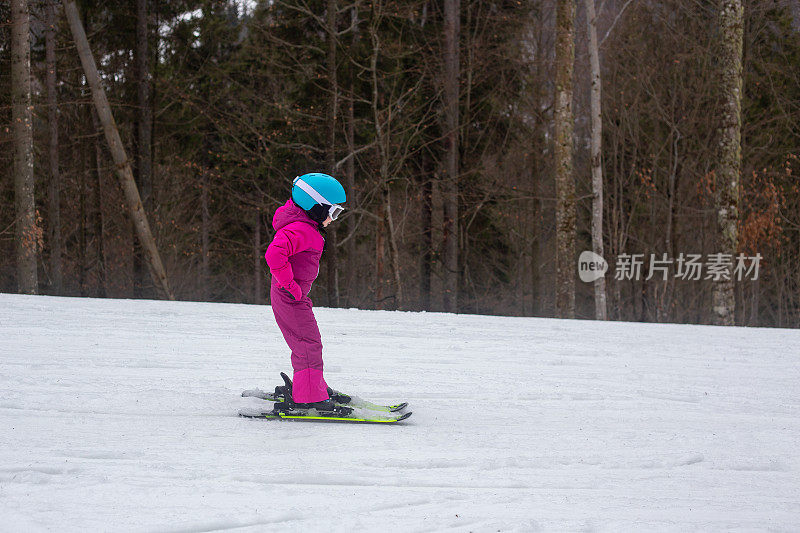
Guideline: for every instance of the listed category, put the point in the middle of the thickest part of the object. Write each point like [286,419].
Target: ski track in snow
[120,415]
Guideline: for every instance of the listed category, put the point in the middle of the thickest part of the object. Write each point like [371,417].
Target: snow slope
[120,415]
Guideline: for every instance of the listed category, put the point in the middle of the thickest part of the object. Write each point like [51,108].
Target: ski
[340,398]
[341,414]
[352,401]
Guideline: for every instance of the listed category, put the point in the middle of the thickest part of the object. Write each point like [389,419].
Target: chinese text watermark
[691,267]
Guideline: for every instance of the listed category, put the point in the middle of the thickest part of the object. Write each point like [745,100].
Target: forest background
[454,126]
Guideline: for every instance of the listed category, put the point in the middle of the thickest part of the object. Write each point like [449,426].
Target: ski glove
[294,290]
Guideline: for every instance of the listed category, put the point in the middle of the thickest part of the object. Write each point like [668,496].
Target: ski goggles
[335,209]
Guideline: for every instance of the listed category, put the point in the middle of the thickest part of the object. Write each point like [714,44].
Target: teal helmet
[315,188]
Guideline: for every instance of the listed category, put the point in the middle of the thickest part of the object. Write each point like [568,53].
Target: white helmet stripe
[311,191]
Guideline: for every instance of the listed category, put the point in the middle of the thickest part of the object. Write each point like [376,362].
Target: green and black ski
[283,411]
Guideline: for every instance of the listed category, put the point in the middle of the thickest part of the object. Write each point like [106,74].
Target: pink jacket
[294,253]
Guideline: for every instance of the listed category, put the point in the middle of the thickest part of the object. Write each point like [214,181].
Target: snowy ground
[120,415]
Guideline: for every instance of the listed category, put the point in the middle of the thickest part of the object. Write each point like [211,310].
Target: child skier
[293,258]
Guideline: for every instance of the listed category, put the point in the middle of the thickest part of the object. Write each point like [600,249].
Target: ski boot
[327,407]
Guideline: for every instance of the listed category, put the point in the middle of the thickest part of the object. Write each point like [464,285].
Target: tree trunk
[542,274]
[97,216]
[731,26]
[452,31]
[393,248]
[754,318]
[143,155]
[205,270]
[122,164]
[665,307]
[537,268]
[596,157]
[349,172]
[27,229]
[379,249]
[54,192]
[258,262]
[331,252]
[144,160]
[427,237]
[350,165]
[565,182]
[83,154]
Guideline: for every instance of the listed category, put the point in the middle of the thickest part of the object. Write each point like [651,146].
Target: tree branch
[621,11]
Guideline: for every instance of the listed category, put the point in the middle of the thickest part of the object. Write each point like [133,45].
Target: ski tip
[258,393]
[255,413]
[398,407]
[404,416]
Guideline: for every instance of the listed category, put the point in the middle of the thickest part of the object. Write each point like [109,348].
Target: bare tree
[731,26]
[452,31]
[82,153]
[96,164]
[333,104]
[205,241]
[258,260]
[143,153]
[54,234]
[596,155]
[565,181]
[350,163]
[121,161]
[26,227]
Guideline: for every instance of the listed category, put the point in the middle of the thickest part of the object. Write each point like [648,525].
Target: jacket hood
[288,213]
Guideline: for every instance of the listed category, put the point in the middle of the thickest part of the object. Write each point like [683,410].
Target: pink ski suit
[293,259]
